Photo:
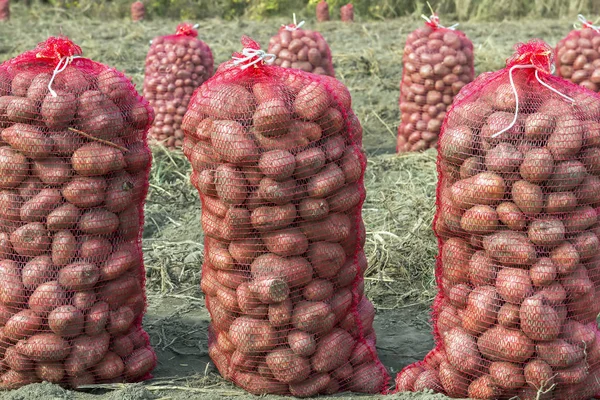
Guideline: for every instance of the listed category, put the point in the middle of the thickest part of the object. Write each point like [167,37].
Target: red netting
[518,269]
[175,66]
[4,10]
[278,162]
[347,13]
[322,11]
[138,11]
[74,168]
[438,62]
[301,49]
[578,57]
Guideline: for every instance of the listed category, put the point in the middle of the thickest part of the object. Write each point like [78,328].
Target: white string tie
[60,67]
[257,55]
[435,20]
[295,26]
[514,89]
[584,22]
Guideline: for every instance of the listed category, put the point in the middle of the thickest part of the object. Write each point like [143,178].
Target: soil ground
[398,211]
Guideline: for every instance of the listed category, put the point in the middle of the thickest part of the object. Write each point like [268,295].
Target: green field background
[461,10]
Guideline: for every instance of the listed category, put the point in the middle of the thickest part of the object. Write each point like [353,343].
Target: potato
[546,232]
[79,276]
[251,335]
[480,219]
[270,290]
[326,258]
[565,257]
[14,167]
[120,320]
[22,325]
[309,162]
[44,347]
[122,191]
[110,367]
[17,361]
[510,248]
[503,158]
[271,218]
[312,101]
[52,372]
[296,271]
[560,202]
[576,333]
[231,186]
[513,284]
[566,176]
[30,240]
[98,222]
[456,145]
[271,117]
[84,300]
[95,159]
[39,206]
[455,383]
[97,318]
[318,290]
[507,375]
[537,165]
[333,351]
[85,192]
[508,315]
[231,141]
[461,349]
[46,297]
[543,272]
[334,228]
[581,219]
[485,188]
[539,321]
[567,139]
[94,249]
[502,344]
[302,343]
[287,242]
[539,374]
[66,321]
[86,351]
[58,112]
[481,311]
[559,354]
[326,182]
[287,366]
[119,262]
[313,317]
[511,216]
[22,110]
[10,215]
[64,247]
[528,197]
[589,190]
[483,388]
[539,126]
[29,188]
[277,164]
[455,254]
[346,198]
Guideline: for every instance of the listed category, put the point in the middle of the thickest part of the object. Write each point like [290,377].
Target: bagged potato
[518,269]
[301,49]
[4,10]
[347,13]
[138,11]
[578,55]
[175,66]
[438,62]
[322,11]
[74,168]
[277,160]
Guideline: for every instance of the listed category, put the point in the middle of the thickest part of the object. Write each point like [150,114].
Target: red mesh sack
[278,163]
[578,56]
[175,66]
[301,49]
[138,11]
[347,13]
[74,168]
[322,11]
[518,269]
[438,62]
[4,10]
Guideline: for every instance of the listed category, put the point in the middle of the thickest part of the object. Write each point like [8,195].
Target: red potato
[66,321]
[287,366]
[12,291]
[22,325]
[513,284]
[539,321]
[95,159]
[47,297]
[44,347]
[461,349]
[30,240]
[86,351]
[302,343]
[502,344]
[250,335]
[313,317]
[559,353]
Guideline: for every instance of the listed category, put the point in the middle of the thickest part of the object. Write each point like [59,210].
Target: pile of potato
[73,181]
[301,49]
[578,58]
[138,11]
[322,11]
[347,13]
[4,10]
[277,159]
[175,66]
[438,62]
[518,271]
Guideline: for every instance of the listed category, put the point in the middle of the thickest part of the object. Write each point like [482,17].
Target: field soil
[398,211]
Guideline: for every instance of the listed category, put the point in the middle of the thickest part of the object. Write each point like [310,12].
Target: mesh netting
[578,56]
[138,11]
[438,62]
[516,221]
[322,11]
[278,162]
[175,66]
[347,13]
[301,49]
[74,168]
[4,10]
